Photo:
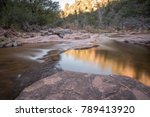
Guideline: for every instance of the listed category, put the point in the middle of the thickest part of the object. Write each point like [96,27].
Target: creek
[110,58]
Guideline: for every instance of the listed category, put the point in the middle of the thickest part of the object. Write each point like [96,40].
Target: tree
[20,12]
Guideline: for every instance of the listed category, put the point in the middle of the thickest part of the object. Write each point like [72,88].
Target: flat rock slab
[66,85]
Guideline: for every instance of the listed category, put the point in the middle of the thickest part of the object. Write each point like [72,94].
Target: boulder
[66,85]
[15,44]
[19,43]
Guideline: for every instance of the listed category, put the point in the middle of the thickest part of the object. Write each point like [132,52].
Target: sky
[63,2]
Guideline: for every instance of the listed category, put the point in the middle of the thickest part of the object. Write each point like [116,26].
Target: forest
[117,14]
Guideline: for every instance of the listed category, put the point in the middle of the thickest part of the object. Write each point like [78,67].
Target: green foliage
[32,12]
[118,14]
[82,20]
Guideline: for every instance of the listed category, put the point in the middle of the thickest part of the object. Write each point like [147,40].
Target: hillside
[83,6]
[112,14]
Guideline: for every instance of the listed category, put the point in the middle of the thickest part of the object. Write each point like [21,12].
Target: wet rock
[72,85]
[55,57]
[87,46]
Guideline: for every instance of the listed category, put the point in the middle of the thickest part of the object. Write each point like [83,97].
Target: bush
[117,14]
[32,12]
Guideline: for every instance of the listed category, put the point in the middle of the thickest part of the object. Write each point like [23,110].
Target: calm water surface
[15,61]
[110,58]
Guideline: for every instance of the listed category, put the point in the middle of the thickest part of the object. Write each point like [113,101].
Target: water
[111,58]
[15,61]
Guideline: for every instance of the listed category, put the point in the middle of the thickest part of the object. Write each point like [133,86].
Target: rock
[88,46]
[1,45]
[19,76]
[81,6]
[77,37]
[9,45]
[32,35]
[72,85]
[44,33]
[10,33]
[55,57]
[2,31]
[126,41]
[19,43]
[15,44]
[86,36]
[2,39]
[7,41]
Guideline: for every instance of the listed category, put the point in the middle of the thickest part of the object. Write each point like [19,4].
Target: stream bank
[48,57]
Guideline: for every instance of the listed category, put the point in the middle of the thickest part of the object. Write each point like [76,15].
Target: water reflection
[113,58]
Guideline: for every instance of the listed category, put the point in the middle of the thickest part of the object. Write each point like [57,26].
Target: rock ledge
[68,85]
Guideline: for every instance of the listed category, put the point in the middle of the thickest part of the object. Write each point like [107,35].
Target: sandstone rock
[15,44]
[2,31]
[10,33]
[72,85]
[1,45]
[77,37]
[2,39]
[9,45]
[44,33]
[83,6]
[19,43]
[8,40]
[32,35]
[85,36]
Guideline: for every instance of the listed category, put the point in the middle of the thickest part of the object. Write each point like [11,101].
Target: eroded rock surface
[72,85]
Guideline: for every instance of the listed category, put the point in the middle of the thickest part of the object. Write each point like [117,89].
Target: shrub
[32,12]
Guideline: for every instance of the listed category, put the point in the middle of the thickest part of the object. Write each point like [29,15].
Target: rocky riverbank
[8,38]
[11,38]
[71,85]
[66,85]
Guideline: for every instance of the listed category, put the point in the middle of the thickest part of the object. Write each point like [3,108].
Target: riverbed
[21,66]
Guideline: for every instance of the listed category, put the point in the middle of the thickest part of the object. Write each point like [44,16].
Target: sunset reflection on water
[132,62]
